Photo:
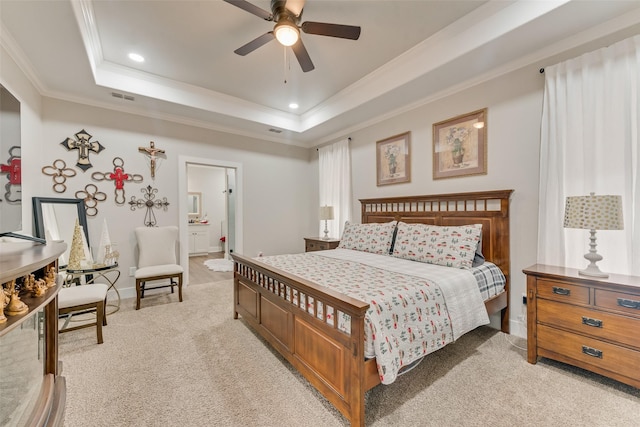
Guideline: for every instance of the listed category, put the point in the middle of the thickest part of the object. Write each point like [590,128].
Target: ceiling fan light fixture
[286,33]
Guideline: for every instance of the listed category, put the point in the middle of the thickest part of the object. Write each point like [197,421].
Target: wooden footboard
[300,320]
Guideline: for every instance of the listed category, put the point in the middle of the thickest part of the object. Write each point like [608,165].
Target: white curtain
[589,143]
[334,165]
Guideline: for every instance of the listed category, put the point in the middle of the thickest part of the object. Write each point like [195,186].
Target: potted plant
[455,140]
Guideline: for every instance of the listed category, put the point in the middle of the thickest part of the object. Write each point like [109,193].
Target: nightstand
[319,244]
[584,321]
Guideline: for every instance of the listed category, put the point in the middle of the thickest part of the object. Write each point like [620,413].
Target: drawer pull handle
[593,352]
[629,303]
[561,291]
[591,322]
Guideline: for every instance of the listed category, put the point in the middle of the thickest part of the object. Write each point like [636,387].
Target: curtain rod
[349,138]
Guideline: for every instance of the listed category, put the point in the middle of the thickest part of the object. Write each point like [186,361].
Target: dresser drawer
[560,291]
[317,246]
[598,324]
[606,356]
[619,301]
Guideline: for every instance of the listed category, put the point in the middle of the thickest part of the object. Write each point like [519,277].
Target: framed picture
[393,159]
[460,146]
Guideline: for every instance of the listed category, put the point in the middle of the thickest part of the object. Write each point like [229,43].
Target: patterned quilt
[408,317]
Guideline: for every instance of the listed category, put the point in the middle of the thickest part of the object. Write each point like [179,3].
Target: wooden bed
[331,360]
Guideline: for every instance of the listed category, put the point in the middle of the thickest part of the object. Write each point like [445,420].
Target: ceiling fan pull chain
[284,49]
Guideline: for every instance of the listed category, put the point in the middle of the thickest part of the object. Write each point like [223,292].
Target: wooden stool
[84,298]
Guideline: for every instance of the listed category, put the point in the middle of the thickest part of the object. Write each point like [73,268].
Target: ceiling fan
[287,15]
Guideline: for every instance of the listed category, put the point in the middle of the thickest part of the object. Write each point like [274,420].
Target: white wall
[276,200]
[513,133]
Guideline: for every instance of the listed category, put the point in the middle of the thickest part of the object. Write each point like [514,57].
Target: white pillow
[449,246]
[375,237]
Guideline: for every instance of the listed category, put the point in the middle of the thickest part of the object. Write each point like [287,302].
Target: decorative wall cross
[13,169]
[84,147]
[91,197]
[149,203]
[152,152]
[119,177]
[59,173]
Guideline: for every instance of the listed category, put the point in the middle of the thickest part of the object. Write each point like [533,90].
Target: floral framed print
[393,159]
[460,146]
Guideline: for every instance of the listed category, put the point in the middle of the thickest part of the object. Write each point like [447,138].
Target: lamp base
[593,256]
[593,271]
[326,231]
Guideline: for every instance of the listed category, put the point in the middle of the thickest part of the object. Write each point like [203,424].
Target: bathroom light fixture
[293,106]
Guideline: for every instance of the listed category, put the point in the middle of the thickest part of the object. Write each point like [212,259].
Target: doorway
[218,184]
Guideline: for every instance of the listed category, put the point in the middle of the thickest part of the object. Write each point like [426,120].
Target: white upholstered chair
[157,260]
[83,298]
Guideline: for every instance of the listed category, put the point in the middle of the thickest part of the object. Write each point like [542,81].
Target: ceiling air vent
[275,130]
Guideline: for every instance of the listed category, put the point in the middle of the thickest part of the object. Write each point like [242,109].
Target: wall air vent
[275,130]
[121,96]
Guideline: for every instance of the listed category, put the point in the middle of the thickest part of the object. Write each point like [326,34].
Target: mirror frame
[39,221]
[198,197]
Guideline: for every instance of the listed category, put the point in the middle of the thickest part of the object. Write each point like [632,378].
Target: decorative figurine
[15,306]
[77,249]
[110,255]
[50,277]
[39,288]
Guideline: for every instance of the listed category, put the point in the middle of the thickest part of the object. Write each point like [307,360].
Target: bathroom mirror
[194,204]
[55,219]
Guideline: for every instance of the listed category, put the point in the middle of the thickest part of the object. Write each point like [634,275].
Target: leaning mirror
[194,203]
[55,219]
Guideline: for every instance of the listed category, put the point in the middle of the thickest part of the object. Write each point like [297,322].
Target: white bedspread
[459,287]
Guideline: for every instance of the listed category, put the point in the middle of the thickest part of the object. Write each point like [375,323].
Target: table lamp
[593,213]
[326,213]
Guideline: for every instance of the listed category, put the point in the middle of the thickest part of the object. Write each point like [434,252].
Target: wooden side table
[584,321]
[319,244]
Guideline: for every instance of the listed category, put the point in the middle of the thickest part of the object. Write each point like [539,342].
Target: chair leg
[138,292]
[104,318]
[99,320]
[179,287]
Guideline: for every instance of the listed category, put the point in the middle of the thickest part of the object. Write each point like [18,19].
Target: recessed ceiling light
[136,57]
[293,105]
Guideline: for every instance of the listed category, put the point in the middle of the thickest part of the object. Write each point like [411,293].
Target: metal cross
[59,173]
[91,197]
[149,203]
[119,177]
[84,147]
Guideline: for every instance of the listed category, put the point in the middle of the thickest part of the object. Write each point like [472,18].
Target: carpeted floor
[191,364]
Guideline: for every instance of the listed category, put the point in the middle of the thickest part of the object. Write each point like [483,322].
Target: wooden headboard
[489,208]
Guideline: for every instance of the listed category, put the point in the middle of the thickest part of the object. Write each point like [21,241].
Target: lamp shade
[594,212]
[326,212]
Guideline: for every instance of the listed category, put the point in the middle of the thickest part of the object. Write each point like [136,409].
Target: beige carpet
[191,364]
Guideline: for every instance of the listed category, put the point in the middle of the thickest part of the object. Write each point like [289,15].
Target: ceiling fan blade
[248,7]
[332,30]
[254,44]
[303,56]
[295,6]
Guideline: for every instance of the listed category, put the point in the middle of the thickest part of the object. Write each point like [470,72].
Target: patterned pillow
[449,246]
[375,237]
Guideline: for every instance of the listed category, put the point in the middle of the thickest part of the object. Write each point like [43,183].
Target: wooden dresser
[587,322]
[319,244]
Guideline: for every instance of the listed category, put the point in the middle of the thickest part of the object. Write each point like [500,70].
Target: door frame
[183,224]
